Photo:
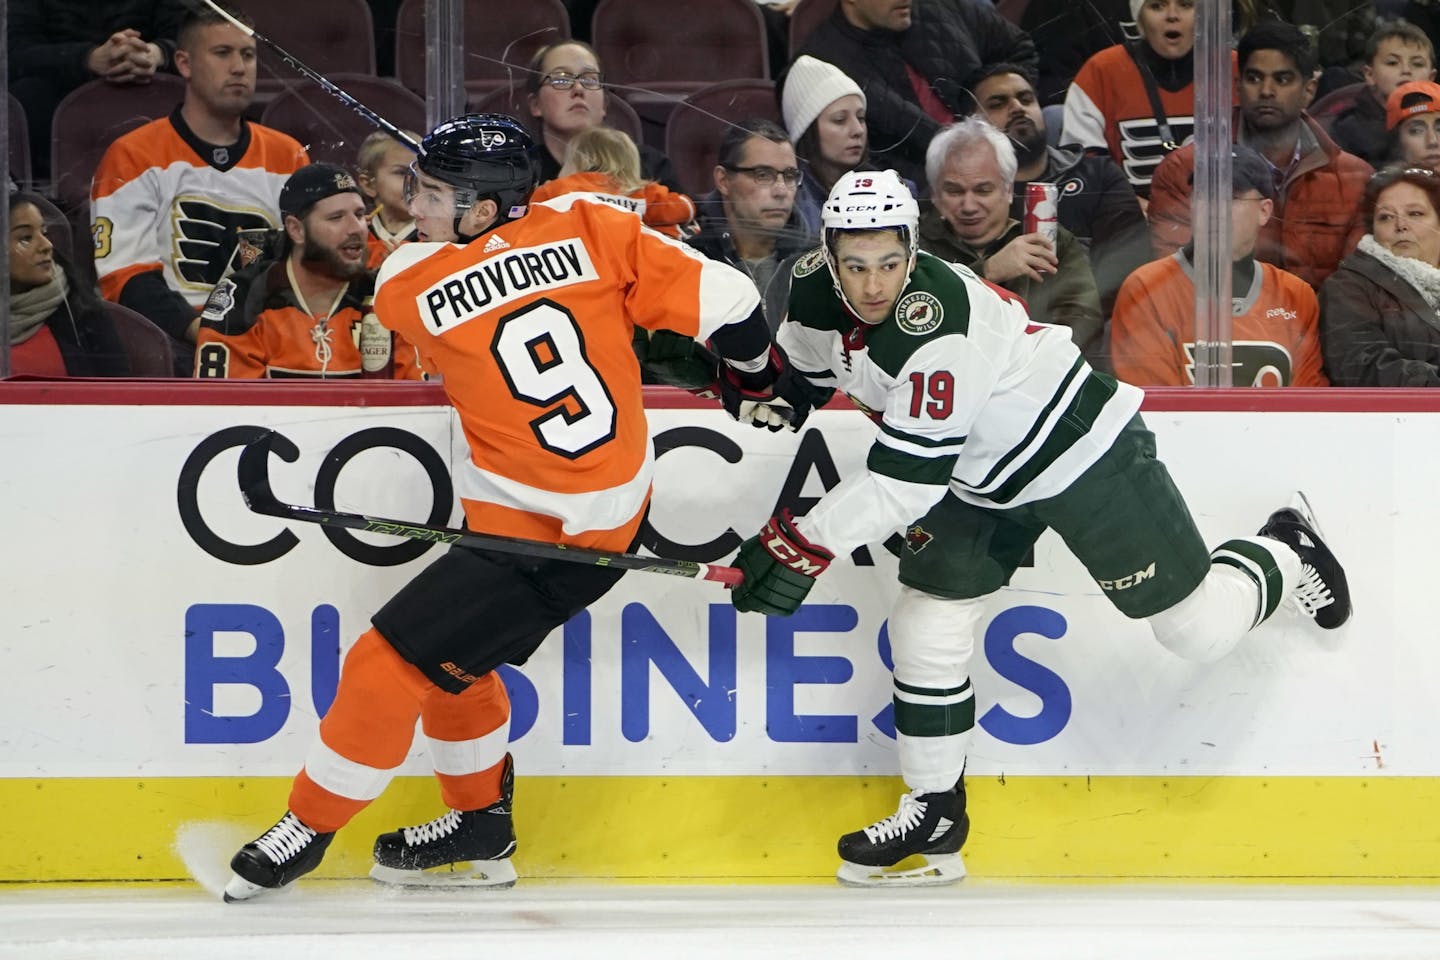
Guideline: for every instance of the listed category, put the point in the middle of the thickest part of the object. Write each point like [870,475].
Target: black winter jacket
[1376,330]
[1099,206]
[947,42]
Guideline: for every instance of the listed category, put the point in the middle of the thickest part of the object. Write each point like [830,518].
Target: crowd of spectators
[222,233]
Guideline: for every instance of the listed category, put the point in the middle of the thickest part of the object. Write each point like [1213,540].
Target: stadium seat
[331,131]
[807,15]
[19,152]
[618,114]
[500,38]
[693,135]
[89,119]
[328,36]
[146,346]
[656,52]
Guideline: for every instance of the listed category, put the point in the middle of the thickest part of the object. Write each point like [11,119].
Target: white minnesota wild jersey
[969,392]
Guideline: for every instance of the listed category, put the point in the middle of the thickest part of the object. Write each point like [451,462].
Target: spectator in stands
[749,220]
[57,327]
[57,45]
[1398,53]
[305,313]
[911,61]
[381,169]
[168,197]
[1413,119]
[971,172]
[1340,31]
[824,112]
[1317,219]
[566,94]
[1097,204]
[1380,312]
[1111,106]
[1275,316]
[605,163]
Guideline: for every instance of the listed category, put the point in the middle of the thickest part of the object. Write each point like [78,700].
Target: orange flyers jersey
[1107,107]
[253,325]
[164,200]
[529,328]
[656,204]
[1274,328]
[379,241]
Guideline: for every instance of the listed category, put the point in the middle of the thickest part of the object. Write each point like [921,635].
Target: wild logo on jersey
[206,237]
[1142,148]
[1253,363]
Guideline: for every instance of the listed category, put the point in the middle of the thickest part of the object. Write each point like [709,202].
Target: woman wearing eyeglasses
[566,94]
[1380,311]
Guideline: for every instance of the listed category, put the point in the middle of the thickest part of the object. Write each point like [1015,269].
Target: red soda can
[1042,210]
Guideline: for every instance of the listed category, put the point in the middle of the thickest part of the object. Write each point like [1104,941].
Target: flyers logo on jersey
[1142,148]
[206,236]
[493,283]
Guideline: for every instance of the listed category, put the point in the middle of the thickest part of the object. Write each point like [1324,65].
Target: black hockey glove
[675,359]
[774,397]
[780,567]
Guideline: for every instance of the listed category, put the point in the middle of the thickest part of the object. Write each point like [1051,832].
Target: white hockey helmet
[869,200]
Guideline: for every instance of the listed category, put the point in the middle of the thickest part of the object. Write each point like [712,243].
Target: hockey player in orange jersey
[529,322]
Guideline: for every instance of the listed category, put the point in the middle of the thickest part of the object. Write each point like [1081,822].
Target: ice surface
[358,920]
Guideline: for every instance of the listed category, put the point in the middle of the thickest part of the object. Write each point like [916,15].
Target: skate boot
[1323,593]
[463,848]
[278,856]
[931,825]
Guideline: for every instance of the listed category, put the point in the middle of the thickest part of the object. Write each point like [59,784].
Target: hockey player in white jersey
[992,429]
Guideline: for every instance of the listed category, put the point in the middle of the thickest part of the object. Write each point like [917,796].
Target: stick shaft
[254,474]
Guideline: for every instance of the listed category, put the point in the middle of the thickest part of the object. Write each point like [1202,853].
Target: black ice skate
[278,856]
[1323,593]
[931,825]
[462,848]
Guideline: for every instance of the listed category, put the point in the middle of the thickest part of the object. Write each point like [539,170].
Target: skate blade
[239,889]
[499,874]
[939,869]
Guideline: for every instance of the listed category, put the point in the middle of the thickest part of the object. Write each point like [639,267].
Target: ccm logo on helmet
[861,208]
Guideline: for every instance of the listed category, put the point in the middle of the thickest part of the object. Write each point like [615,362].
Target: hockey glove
[774,397]
[675,359]
[780,567]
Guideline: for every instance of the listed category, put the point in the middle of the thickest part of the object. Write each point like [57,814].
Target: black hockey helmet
[483,155]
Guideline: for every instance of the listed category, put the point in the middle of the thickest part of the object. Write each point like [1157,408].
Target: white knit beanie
[810,87]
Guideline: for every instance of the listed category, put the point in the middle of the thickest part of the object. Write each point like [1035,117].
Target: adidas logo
[940,829]
[495,243]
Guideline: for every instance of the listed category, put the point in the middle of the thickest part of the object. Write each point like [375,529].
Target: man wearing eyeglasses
[749,220]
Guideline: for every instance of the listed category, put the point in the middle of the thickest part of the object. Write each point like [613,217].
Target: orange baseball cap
[1409,99]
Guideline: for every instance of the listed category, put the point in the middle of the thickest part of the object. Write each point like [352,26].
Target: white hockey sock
[1248,579]
[931,639]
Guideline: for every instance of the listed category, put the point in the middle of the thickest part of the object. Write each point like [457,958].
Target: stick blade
[254,476]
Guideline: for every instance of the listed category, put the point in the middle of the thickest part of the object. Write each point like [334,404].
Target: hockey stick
[320,79]
[254,475]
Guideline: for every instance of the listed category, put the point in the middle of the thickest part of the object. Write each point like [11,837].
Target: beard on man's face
[1028,139]
[330,261]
